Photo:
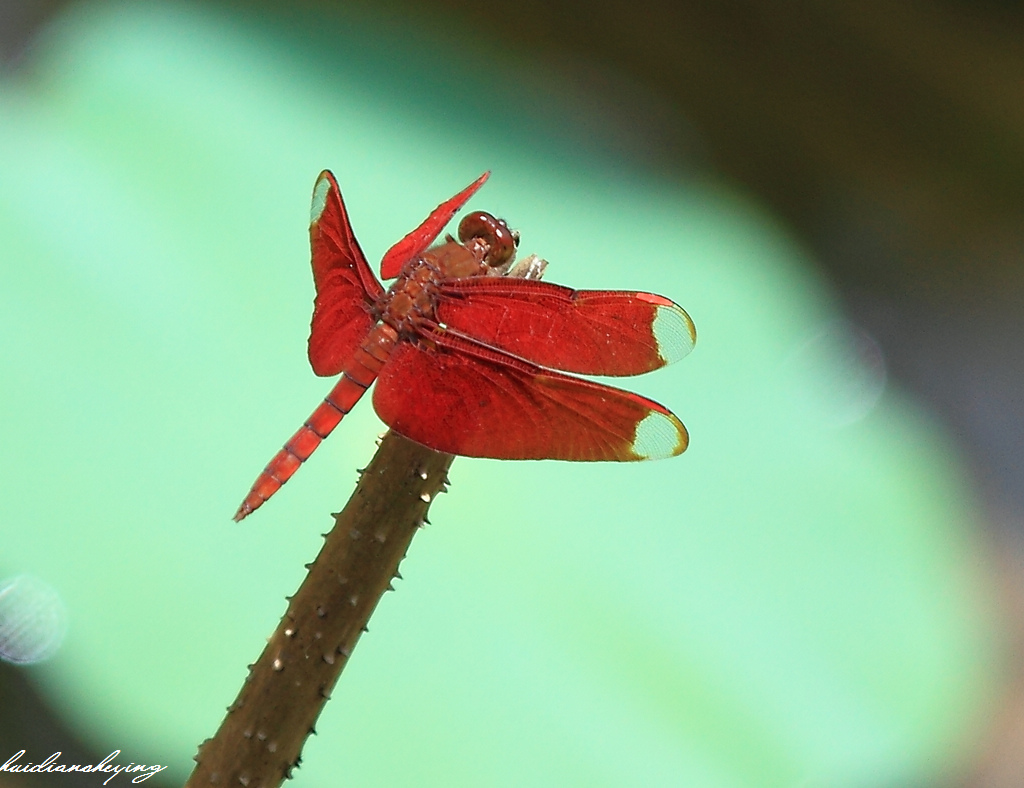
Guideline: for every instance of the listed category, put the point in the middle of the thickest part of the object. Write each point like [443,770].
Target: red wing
[419,239]
[458,396]
[345,285]
[592,332]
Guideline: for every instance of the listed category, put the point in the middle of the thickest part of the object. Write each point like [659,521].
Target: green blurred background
[820,592]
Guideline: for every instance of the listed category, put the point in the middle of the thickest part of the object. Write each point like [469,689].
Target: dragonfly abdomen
[357,376]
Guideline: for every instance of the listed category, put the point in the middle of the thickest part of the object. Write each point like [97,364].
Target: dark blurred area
[890,138]
[26,723]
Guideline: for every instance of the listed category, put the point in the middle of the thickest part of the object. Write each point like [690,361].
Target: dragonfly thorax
[412,300]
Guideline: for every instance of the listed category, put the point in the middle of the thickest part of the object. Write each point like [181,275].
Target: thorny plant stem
[260,740]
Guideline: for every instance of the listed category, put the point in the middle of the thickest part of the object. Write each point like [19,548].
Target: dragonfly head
[479,231]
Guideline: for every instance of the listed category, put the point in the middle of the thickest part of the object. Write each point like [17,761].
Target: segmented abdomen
[360,371]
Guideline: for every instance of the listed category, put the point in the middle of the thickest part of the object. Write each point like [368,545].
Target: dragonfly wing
[345,286]
[455,395]
[592,332]
[419,239]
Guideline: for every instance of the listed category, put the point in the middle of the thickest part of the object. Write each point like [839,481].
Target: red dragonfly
[464,345]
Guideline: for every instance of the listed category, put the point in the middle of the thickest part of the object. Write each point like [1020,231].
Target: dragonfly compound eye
[501,241]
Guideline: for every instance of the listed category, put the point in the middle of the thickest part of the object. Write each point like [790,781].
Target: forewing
[345,285]
[592,332]
[423,236]
[454,395]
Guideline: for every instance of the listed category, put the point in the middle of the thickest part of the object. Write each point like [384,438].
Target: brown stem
[259,742]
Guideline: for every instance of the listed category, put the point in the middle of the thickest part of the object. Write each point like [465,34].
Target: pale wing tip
[674,332]
[320,192]
[659,435]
